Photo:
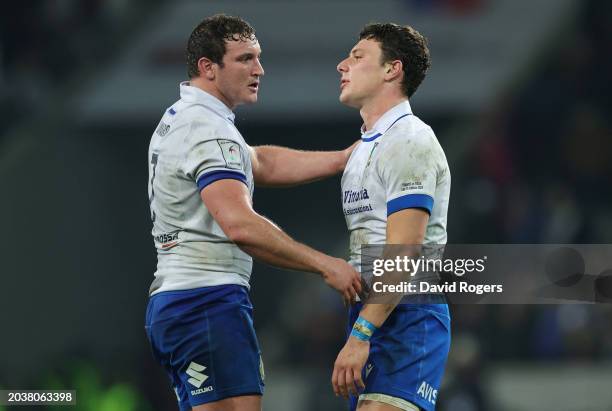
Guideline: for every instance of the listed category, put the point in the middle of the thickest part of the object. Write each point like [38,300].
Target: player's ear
[393,70]
[207,68]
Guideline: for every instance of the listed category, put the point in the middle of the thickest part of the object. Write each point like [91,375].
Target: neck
[211,89]
[374,109]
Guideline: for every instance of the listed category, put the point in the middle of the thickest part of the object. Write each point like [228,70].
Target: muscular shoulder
[206,125]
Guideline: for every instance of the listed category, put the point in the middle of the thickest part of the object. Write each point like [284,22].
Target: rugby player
[396,189]
[201,178]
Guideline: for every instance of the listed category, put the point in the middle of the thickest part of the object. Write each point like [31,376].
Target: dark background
[531,163]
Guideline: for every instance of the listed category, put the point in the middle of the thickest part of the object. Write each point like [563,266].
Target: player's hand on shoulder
[341,276]
[347,378]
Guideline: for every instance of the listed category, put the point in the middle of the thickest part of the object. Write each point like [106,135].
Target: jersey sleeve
[408,170]
[211,155]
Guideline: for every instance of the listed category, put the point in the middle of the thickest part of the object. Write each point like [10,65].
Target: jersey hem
[200,284]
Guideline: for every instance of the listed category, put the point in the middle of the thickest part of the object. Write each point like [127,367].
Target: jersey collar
[385,121]
[191,94]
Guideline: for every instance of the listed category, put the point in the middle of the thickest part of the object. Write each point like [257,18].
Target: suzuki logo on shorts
[195,372]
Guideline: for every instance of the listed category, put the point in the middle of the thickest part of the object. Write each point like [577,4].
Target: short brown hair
[209,37]
[405,44]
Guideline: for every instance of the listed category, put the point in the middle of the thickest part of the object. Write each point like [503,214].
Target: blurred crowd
[542,162]
[541,173]
[46,46]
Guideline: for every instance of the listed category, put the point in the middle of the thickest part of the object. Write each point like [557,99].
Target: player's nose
[342,67]
[259,70]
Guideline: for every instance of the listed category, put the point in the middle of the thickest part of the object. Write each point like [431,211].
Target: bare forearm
[263,240]
[377,314]
[280,166]
[379,305]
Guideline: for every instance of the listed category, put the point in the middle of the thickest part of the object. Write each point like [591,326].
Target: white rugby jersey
[195,144]
[398,164]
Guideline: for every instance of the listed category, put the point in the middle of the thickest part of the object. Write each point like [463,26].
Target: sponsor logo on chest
[351,196]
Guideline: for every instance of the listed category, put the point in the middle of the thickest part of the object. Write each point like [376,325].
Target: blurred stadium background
[519,96]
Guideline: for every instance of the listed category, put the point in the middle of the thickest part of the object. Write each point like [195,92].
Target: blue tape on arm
[363,329]
[359,335]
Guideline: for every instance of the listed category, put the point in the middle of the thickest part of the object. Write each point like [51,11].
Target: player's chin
[250,98]
[247,101]
[345,99]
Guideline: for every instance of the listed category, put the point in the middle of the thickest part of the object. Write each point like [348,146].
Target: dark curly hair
[405,44]
[209,37]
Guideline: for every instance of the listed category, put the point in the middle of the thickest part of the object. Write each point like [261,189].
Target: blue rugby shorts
[205,340]
[407,353]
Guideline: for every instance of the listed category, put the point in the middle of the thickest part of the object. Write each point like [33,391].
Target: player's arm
[229,203]
[406,226]
[403,227]
[275,166]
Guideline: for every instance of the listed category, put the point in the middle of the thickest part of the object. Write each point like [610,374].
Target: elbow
[263,177]
[239,226]
[239,234]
